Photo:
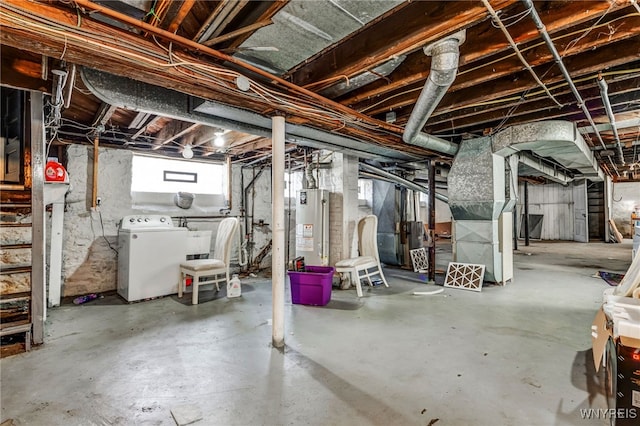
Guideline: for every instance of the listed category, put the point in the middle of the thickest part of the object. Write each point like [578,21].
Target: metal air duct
[556,139]
[444,66]
[142,97]
[604,92]
[476,199]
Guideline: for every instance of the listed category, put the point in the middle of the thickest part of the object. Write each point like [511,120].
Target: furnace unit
[312,226]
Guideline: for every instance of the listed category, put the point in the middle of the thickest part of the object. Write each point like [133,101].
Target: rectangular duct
[386,207]
[477,198]
[476,182]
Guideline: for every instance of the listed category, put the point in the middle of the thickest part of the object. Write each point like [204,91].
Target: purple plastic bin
[312,287]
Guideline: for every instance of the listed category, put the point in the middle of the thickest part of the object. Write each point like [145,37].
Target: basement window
[365,192]
[292,184]
[155,181]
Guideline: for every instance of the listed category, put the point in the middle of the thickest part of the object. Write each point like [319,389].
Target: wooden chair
[210,269]
[367,264]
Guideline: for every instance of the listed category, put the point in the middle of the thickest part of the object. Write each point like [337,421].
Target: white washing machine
[149,255]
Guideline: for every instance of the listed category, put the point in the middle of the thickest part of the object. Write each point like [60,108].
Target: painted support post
[38,282]
[277,209]
[432,221]
[526,214]
[55,253]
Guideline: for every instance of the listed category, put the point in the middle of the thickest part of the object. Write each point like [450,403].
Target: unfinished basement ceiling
[303,28]
[350,70]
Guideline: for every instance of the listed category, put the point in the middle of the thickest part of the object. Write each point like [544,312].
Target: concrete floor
[514,355]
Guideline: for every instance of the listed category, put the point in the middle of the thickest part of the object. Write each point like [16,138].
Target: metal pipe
[444,66]
[69,85]
[558,59]
[604,93]
[526,213]
[229,183]
[277,211]
[515,227]
[123,92]
[401,181]
[245,197]
[94,182]
[288,254]
[243,213]
[432,221]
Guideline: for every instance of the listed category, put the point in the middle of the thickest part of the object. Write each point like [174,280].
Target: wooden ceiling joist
[541,104]
[625,51]
[145,127]
[139,120]
[221,17]
[178,10]
[376,131]
[272,8]
[104,114]
[178,135]
[237,33]
[484,43]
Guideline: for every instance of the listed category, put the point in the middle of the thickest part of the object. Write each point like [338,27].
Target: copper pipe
[223,57]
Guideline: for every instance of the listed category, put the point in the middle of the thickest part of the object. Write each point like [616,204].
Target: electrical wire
[224,79]
[515,48]
[512,20]
[501,58]
[103,233]
[588,30]
[535,93]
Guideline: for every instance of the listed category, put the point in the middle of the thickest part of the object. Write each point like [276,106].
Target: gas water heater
[312,226]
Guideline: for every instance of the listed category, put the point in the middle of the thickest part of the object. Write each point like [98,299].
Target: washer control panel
[146,221]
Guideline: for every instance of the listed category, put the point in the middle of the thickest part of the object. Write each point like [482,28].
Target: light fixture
[219,141]
[187,151]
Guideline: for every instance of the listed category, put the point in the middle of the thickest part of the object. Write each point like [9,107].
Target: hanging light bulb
[219,141]
[187,151]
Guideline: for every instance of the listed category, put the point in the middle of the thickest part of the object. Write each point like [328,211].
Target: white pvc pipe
[278,249]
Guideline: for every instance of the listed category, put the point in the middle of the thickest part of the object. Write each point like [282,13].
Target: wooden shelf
[16,205]
[15,327]
[15,246]
[15,270]
[5,298]
[15,225]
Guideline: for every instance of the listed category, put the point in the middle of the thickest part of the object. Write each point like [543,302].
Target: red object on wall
[55,172]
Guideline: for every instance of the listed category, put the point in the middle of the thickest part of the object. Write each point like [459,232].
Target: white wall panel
[555,203]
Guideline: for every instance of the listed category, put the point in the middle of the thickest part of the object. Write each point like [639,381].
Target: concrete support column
[350,202]
[278,248]
[343,207]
